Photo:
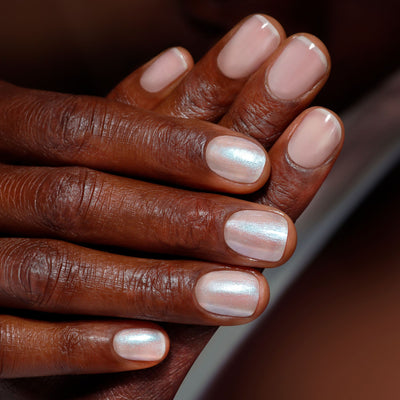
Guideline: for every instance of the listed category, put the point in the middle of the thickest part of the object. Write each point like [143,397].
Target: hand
[314,176]
[46,209]
[249,106]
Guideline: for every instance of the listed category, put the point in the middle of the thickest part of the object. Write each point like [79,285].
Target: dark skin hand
[82,205]
[291,188]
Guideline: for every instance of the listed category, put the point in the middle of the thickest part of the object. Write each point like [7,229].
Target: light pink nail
[229,293]
[257,234]
[236,159]
[297,69]
[163,71]
[315,139]
[142,344]
[249,47]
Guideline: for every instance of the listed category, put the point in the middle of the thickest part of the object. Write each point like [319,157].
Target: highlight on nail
[261,235]
[169,66]
[315,139]
[297,69]
[228,293]
[236,159]
[140,344]
[248,48]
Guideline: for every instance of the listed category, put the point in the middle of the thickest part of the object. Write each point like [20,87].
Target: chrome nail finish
[236,159]
[229,293]
[261,235]
[142,344]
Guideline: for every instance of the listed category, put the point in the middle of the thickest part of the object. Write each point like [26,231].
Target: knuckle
[281,195]
[166,136]
[203,100]
[65,197]
[71,344]
[154,290]
[71,123]
[194,222]
[35,272]
[247,119]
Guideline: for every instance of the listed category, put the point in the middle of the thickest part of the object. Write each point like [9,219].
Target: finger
[283,87]
[38,348]
[209,89]
[153,82]
[83,205]
[59,277]
[49,128]
[301,159]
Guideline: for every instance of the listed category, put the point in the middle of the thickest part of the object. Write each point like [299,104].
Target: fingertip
[315,138]
[298,69]
[241,164]
[186,56]
[291,240]
[279,28]
[165,70]
[320,45]
[259,236]
[231,296]
[140,346]
[248,45]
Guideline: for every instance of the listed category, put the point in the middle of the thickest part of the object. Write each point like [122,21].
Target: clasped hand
[84,180]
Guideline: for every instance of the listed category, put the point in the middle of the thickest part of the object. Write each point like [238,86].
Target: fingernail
[236,159]
[248,48]
[257,234]
[142,344]
[229,293]
[315,139]
[169,66]
[297,69]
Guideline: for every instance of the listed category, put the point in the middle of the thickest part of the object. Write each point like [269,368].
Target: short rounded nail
[248,48]
[169,66]
[297,69]
[236,159]
[261,235]
[142,344]
[315,139]
[228,293]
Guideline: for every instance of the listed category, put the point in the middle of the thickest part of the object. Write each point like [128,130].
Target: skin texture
[65,348]
[55,129]
[82,205]
[182,336]
[104,51]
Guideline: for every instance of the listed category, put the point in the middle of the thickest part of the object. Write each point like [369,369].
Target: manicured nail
[315,139]
[248,48]
[229,293]
[236,159]
[257,234]
[142,344]
[297,69]
[169,66]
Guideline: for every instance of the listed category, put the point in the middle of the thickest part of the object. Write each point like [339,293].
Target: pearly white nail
[235,158]
[229,293]
[257,234]
[142,344]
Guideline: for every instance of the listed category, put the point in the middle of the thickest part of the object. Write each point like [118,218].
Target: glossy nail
[315,139]
[248,48]
[169,66]
[142,344]
[236,159]
[229,293]
[257,234]
[297,69]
